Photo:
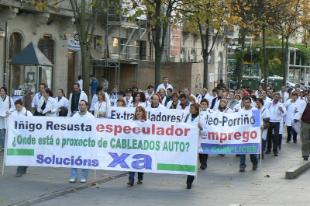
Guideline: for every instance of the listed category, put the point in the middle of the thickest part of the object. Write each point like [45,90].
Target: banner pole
[5,146]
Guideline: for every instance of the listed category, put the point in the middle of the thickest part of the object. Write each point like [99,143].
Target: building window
[46,45]
[142,50]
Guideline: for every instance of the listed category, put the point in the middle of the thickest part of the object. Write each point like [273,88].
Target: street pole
[5,52]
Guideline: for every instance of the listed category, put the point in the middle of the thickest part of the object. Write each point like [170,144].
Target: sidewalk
[42,182]
[213,185]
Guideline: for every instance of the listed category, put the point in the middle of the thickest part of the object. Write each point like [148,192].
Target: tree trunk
[240,60]
[206,71]
[283,60]
[265,70]
[286,70]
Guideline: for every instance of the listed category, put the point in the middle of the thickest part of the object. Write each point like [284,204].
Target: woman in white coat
[292,109]
[193,119]
[6,105]
[48,104]
[62,103]
[101,107]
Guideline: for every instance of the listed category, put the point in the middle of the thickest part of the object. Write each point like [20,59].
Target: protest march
[159,130]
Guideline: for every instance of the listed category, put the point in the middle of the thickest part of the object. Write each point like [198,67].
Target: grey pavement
[220,184]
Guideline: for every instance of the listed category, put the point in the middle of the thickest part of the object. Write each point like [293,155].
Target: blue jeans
[253,158]
[74,173]
[132,176]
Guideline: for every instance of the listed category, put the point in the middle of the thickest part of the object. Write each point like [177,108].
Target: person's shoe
[241,169]
[139,182]
[306,158]
[275,154]
[254,167]
[189,186]
[83,180]
[288,141]
[72,180]
[263,156]
[268,152]
[130,183]
[295,141]
[203,167]
[18,174]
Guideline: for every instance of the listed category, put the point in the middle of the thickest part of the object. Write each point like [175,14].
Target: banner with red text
[107,144]
[230,133]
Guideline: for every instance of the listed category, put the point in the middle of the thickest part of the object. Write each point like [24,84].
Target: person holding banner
[20,111]
[121,102]
[193,119]
[139,100]
[140,115]
[247,107]
[101,108]
[83,113]
[6,105]
[184,103]
[223,106]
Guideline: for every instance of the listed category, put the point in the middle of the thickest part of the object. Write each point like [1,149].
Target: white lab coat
[101,107]
[162,86]
[83,96]
[23,113]
[6,105]
[292,110]
[50,108]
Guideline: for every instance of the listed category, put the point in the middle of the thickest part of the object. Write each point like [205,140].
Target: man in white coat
[6,105]
[75,97]
[37,97]
[82,113]
[165,85]
[20,111]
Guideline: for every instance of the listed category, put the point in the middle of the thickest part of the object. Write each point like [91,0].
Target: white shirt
[83,96]
[129,102]
[169,104]
[179,107]
[50,107]
[163,86]
[35,100]
[80,82]
[94,100]
[284,96]
[101,107]
[62,102]
[275,114]
[86,115]
[160,106]
[22,113]
[6,105]
[292,110]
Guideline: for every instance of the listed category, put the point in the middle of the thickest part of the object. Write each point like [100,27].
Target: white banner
[107,144]
[154,115]
[231,133]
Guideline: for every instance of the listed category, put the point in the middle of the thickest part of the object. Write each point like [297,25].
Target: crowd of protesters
[285,109]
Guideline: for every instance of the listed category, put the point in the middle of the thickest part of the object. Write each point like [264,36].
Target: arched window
[46,45]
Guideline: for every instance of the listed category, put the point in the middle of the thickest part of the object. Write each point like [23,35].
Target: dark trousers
[253,158]
[273,137]
[291,132]
[132,176]
[203,158]
[21,169]
[190,179]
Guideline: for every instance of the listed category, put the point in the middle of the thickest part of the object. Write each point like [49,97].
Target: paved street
[220,184]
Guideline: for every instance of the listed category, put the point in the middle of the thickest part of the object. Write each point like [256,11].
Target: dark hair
[182,96]
[77,84]
[79,77]
[175,95]
[204,100]
[169,89]
[121,93]
[49,92]
[196,106]
[84,101]
[260,100]
[247,98]
[150,86]
[5,89]
[19,101]
[62,91]
[142,97]
[43,84]
[99,89]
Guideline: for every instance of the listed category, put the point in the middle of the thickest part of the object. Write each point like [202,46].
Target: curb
[55,194]
[294,172]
